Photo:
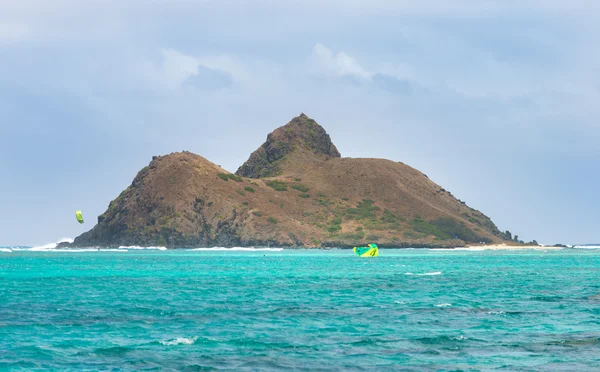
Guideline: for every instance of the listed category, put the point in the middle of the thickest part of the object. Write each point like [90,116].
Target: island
[295,190]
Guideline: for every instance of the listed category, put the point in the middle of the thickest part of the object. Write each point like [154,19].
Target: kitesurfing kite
[79,216]
[370,251]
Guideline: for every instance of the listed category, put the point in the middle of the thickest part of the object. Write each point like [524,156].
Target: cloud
[481,84]
[208,79]
[337,64]
[174,69]
[392,78]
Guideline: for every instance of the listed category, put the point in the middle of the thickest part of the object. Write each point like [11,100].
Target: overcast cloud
[494,100]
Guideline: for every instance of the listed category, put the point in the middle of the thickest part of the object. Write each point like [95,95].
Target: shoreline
[488,247]
[506,247]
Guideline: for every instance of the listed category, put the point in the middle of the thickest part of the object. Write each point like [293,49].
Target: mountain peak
[301,132]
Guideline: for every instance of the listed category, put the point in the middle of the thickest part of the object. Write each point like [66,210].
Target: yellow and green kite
[79,216]
[370,251]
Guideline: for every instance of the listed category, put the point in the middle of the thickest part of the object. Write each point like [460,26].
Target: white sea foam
[140,248]
[6,250]
[51,245]
[459,249]
[180,341]
[443,305]
[400,302]
[586,246]
[238,249]
[79,250]
[468,249]
[425,274]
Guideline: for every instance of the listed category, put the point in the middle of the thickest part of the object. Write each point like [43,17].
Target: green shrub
[257,213]
[334,228]
[273,220]
[456,229]
[230,176]
[447,228]
[249,189]
[335,225]
[300,188]
[389,217]
[277,185]
[374,224]
[305,196]
[428,228]
[241,192]
[324,202]
[364,209]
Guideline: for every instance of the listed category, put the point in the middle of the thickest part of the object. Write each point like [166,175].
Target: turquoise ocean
[318,310]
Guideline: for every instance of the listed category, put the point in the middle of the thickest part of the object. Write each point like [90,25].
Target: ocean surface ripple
[412,310]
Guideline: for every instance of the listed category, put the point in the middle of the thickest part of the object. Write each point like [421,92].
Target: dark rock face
[301,131]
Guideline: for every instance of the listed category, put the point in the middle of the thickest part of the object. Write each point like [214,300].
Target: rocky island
[294,191]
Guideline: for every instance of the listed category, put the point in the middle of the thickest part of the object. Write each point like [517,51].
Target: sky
[495,100]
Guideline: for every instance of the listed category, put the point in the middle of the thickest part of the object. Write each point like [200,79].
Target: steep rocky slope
[294,190]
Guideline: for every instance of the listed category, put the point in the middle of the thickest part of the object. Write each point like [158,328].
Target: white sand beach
[507,247]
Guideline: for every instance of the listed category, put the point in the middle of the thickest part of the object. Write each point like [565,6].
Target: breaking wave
[136,247]
[180,341]
[425,274]
[51,245]
[586,246]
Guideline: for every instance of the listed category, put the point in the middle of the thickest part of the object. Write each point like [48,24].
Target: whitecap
[6,250]
[425,274]
[180,341]
[400,302]
[496,312]
[138,247]
[80,250]
[443,305]
[51,245]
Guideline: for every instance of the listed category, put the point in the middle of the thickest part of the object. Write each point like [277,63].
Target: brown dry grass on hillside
[317,199]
